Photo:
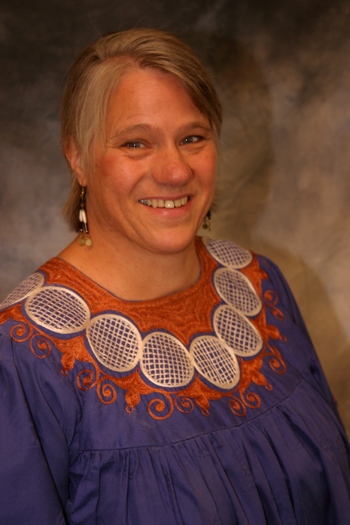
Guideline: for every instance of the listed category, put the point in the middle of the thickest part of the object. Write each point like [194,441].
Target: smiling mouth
[160,203]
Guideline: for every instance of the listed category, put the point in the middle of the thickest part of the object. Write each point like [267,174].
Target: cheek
[108,176]
[105,167]
[208,169]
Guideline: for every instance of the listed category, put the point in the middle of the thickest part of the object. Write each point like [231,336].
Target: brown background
[282,70]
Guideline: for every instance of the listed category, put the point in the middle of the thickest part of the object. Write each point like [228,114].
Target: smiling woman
[150,376]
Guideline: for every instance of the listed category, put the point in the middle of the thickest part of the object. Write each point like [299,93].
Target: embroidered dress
[205,407]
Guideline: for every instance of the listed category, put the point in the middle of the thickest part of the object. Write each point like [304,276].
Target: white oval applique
[228,253]
[58,309]
[115,341]
[165,360]
[237,331]
[23,290]
[236,290]
[215,361]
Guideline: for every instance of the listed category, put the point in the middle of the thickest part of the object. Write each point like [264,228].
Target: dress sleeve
[284,292]
[34,452]
[314,373]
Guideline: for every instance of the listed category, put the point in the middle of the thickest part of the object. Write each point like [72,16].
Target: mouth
[160,203]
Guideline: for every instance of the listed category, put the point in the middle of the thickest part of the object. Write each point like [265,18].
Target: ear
[75,161]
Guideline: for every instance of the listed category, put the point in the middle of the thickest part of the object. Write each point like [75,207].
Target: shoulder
[226,252]
[235,257]
[29,285]
[30,344]
[263,274]
[46,299]
[39,318]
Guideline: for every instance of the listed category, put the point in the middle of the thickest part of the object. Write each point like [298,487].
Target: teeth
[160,203]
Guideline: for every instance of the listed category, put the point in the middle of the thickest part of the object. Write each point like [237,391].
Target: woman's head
[95,76]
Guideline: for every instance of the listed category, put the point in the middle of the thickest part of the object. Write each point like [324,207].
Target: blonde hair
[97,72]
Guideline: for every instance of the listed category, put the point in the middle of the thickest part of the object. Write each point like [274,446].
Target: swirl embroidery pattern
[184,351]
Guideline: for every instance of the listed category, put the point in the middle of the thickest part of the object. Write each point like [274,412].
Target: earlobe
[73,156]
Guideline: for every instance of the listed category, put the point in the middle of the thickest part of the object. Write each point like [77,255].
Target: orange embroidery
[194,316]
[198,303]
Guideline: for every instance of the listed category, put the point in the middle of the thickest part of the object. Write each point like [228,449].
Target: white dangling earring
[206,224]
[84,237]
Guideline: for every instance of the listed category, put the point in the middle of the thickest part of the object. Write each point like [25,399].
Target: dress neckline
[88,282]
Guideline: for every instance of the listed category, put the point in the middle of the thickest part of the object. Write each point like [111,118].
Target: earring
[84,237]
[207,221]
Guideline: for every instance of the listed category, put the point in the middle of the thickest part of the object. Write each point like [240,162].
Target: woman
[149,376]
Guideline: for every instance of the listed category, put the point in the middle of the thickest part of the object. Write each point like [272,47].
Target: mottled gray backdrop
[282,71]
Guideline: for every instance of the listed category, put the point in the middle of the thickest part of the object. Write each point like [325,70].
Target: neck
[135,275]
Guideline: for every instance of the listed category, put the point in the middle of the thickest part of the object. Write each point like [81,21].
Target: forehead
[151,94]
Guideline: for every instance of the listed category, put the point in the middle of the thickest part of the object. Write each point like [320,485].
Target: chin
[172,243]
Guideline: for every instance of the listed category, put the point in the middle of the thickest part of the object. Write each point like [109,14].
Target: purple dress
[204,407]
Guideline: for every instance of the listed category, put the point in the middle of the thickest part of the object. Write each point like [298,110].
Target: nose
[172,167]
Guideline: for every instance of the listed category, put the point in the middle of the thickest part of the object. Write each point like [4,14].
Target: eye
[134,144]
[192,139]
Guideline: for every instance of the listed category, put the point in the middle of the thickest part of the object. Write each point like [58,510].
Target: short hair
[95,75]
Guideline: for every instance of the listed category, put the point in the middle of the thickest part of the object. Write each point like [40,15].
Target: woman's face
[153,181]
